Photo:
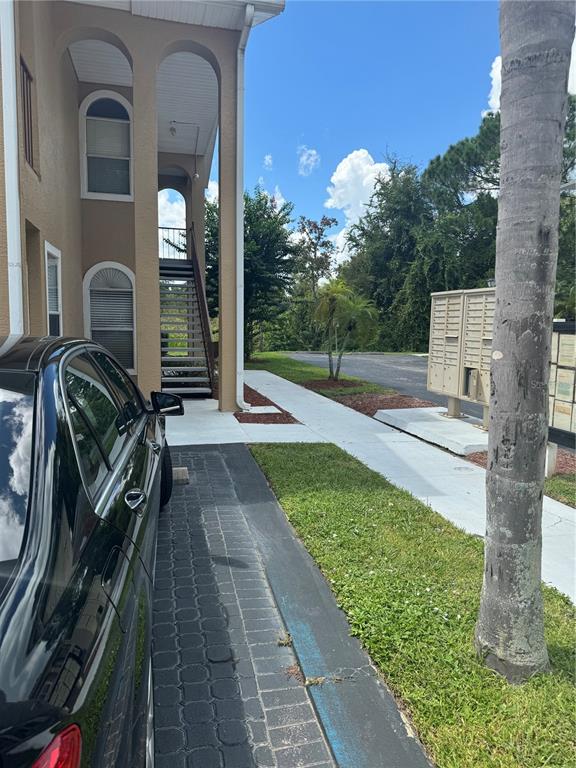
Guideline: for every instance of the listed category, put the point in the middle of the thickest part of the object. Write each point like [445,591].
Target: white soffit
[187,92]
[98,62]
[226,14]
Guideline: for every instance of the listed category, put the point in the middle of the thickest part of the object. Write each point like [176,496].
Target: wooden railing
[203,308]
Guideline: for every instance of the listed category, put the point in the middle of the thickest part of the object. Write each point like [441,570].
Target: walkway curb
[360,717]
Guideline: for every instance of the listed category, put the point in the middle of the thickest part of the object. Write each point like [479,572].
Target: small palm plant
[346,319]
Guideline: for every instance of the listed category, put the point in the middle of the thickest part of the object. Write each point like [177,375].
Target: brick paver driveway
[225,691]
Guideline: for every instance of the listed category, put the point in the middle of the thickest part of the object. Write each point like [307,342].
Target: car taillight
[63,751]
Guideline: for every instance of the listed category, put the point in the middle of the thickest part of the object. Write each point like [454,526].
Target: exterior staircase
[186,344]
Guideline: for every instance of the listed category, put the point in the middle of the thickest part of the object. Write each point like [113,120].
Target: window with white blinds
[111,299]
[108,150]
[53,298]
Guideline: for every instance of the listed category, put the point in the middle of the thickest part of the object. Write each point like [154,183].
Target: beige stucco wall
[88,231]
[107,233]
[50,193]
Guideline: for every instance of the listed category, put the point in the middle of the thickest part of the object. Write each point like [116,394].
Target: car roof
[32,353]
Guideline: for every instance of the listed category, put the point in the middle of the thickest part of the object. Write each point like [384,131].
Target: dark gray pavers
[223,698]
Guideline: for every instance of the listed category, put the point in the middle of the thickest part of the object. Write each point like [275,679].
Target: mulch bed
[565,462]
[252,397]
[368,404]
[319,384]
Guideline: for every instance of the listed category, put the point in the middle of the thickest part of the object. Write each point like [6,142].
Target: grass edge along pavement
[302,373]
[409,583]
[562,488]
[559,487]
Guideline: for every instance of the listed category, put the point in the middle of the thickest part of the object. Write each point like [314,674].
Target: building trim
[248,22]
[11,166]
[51,250]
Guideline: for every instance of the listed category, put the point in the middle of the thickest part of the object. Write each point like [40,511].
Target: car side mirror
[167,403]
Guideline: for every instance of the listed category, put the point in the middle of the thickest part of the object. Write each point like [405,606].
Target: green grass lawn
[299,372]
[562,488]
[409,582]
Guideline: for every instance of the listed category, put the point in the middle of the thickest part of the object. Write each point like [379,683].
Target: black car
[84,469]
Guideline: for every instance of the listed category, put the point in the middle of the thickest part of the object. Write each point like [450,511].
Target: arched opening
[187,103]
[104,81]
[172,240]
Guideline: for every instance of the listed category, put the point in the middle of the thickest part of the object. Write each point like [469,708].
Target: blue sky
[406,78]
[336,86]
[332,88]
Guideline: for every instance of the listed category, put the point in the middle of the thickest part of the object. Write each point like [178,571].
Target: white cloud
[352,184]
[279,198]
[20,459]
[268,162]
[496,87]
[308,160]
[171,212]
[212,191]
[11,530]
[276,194]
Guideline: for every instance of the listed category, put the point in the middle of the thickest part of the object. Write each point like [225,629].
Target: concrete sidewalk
[453,487]
[204,424]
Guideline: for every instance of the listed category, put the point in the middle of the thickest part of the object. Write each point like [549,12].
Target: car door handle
[135,498]
[156,447]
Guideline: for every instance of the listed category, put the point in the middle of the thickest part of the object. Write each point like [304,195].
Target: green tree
[467,168]
[384,243]
[315,251]
[269,261]
[345,319]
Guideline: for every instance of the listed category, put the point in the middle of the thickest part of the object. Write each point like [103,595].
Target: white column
[11,170]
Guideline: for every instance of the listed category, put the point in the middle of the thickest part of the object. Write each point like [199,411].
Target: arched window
[106,146]
[109,310]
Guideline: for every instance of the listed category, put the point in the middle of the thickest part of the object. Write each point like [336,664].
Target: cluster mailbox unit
[460,346]
[460,353]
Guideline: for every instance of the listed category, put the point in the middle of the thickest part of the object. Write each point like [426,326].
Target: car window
[125,390]
[94,466]
[16,427]
[96,418]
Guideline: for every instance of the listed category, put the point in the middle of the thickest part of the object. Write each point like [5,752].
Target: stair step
[188,390]
[180,315]
[165,347]
[179,368]
[184,379]
[182,359]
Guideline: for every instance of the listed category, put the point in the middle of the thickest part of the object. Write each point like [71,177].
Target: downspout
[11,170]
[248,21]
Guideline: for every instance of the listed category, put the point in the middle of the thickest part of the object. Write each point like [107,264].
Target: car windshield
[16,419]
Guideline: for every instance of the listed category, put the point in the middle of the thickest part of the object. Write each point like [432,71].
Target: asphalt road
[404,373]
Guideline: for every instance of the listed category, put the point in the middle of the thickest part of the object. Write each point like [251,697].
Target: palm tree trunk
[536,38]
[340,353]
[330,358]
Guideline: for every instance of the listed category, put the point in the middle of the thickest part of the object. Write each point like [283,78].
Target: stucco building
[104,104]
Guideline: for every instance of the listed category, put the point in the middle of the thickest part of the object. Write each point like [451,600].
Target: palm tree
[345,318]
[536,38]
